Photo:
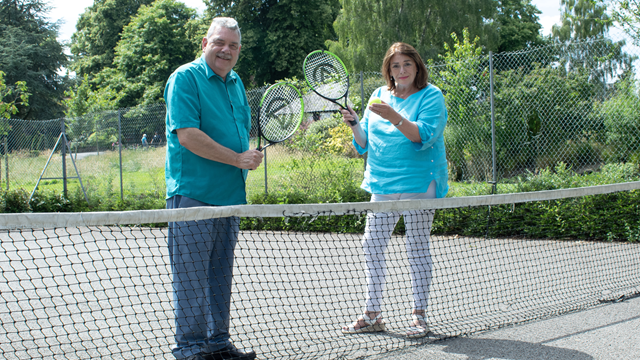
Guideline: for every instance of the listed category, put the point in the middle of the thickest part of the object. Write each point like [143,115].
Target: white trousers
[376,238]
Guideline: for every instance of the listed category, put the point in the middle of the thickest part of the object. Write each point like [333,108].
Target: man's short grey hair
[224,22]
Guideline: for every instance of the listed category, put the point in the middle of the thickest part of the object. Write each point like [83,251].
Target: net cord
[58,220]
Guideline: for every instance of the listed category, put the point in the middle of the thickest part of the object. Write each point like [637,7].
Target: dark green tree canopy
[366,28]
[30,52]
[277,34]
[517,25]
[97,33]
[153,45]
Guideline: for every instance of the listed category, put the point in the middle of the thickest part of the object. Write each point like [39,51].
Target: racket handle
[353,122]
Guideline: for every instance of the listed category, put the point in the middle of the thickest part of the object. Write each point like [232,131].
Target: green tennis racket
[327,76]
[280,113]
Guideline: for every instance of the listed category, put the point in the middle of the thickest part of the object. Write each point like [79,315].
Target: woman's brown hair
[422,74]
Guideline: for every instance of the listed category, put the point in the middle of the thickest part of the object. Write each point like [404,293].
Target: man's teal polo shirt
[198,98]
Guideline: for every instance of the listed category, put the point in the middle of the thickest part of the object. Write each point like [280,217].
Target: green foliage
[153,45]
[544,101]
[340,141]
[517,25]
[367,28]
[582,19]
[32,55]
[622,125]
[322,179]
[277,35]
[98,31]
[600,217]
[49,201]
[463,80]
[14,201]
[627,14]
[10,99]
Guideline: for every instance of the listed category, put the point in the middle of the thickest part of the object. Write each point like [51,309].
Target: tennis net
[99,285]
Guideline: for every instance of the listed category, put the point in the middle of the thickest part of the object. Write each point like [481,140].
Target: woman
[403,136]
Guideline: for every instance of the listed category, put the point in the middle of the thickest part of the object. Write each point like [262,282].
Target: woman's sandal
[418,331]
[372,325]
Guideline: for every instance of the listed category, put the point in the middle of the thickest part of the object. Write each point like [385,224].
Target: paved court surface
[607,332]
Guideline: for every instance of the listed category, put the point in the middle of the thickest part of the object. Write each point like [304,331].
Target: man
[156,140]
[145,144]
[208,155]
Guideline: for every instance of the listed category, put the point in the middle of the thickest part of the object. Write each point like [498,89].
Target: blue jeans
[201,254]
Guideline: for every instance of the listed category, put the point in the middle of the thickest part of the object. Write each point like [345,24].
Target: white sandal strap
[418,317]
[369,320]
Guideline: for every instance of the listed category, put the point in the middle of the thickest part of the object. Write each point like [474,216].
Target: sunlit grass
[143,172]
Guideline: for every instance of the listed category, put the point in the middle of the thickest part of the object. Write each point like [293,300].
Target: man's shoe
[198,357]
[231,353]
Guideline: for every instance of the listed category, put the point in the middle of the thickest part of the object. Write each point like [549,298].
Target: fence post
[6,161]
[120,151]
[493,124]
[362,93]
[64,159]
[265,172]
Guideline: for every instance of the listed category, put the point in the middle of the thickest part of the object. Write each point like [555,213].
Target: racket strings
[326,75]
[280,114]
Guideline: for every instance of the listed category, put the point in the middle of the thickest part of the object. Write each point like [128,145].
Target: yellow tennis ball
[375,100]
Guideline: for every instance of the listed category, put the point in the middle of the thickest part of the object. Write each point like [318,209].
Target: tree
[31,53]
[153,45]
[464,82]
[517,25]
[97,33]
[9,97]
[366,28]
[277,35]
[627,14]
[582,19]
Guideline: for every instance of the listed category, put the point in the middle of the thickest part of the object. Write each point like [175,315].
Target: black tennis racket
[327,76]
[280,113]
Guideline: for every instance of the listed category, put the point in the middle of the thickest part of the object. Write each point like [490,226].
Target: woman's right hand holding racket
[348,115]
[353,121]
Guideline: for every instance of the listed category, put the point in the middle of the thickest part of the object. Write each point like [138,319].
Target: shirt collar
[231,76]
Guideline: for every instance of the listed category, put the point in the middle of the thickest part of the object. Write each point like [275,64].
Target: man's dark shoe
[231,353]
[197,357]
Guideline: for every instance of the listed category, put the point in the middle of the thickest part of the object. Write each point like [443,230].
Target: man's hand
[202,145]
[249,159]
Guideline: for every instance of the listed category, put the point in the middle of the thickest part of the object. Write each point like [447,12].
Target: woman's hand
[386,112]
[349,115]
[359,135]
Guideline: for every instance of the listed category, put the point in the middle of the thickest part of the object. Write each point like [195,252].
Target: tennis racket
[280,113]
[327,76]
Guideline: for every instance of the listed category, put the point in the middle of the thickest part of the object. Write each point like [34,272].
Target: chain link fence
[509,114]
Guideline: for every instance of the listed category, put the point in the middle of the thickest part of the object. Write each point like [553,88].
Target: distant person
[156,140]
[145,144]
[403,137]
[208,155]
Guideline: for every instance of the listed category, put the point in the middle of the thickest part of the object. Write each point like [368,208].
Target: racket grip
[353,122]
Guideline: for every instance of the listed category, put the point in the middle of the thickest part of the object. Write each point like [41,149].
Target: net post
[493,124]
